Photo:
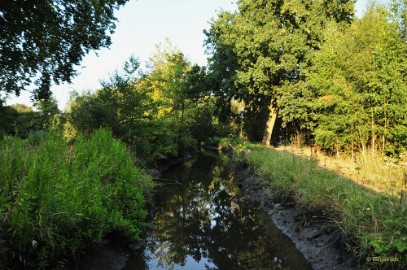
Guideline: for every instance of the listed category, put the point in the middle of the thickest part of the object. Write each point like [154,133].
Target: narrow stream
[203,221]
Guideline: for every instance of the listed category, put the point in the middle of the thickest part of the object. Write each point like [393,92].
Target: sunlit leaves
[58,199]
[363,70]
[265,48]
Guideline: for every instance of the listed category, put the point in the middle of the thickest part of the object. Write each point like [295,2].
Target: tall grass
[377,172]
[56,199]
[374,224]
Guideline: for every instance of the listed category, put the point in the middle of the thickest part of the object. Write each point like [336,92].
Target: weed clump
[57,199]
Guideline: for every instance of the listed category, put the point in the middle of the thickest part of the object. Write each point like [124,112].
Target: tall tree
[47,110]
[41,42]
[166,84]
[223,63]
[271,40]
[398,10]
[361,83]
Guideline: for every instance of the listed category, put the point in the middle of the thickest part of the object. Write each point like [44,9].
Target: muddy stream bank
[317,239]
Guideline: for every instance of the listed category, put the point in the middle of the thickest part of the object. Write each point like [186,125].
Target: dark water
[202,221]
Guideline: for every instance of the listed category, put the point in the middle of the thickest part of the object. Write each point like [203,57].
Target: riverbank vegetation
[379,173]
[373,223]
[56,199]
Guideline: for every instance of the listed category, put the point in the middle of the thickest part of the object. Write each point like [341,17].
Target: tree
[158,113]
[41,42]
[271,41]
[360,83]
[47,110]
[117,106]
[178,91]
[23,120]
[398,10]
[223,63]
[8,116]
[148,111]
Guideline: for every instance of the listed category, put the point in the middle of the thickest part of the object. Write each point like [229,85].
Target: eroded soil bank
[317,239]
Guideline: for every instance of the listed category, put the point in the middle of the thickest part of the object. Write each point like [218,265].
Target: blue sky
[142,25]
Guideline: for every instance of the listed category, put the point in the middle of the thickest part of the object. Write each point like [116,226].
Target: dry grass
[375,173]
[373,223]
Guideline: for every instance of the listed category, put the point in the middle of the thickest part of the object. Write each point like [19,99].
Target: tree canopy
[266,44]
[322,73]
[41,42]
[160,112]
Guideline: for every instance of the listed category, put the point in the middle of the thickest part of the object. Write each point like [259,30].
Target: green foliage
[359,85]
[20,120]
[47,111]
[56,199]
[398,10]
[324,73]
[399,138]
[7,117]
[373,223]
[236,143]
[260,55]
[223,63]
[46,40]
[158,113]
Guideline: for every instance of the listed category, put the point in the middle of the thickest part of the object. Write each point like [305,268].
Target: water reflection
[203,222]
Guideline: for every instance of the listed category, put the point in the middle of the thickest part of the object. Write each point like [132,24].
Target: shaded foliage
[21,120]
[41,42]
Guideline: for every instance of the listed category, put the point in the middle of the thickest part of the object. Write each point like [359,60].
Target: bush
[55,199]
[234,143]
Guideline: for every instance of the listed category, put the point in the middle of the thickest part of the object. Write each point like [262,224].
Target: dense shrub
[56,199]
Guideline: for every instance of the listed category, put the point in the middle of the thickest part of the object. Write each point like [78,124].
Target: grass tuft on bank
[374,224]
[57,199]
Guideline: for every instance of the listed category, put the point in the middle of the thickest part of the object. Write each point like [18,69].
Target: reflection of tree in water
[204,218]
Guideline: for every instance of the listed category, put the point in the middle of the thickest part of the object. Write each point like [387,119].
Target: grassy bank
[382,174]
[374,224]
[57,199]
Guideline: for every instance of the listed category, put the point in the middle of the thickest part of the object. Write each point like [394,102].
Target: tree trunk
[384,134]
[268,129]
[182,111]
[373,136]
[337,149]
[362,143]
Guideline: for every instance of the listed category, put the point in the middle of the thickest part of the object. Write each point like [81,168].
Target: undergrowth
[374,224]
[57,199]
[232,142]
